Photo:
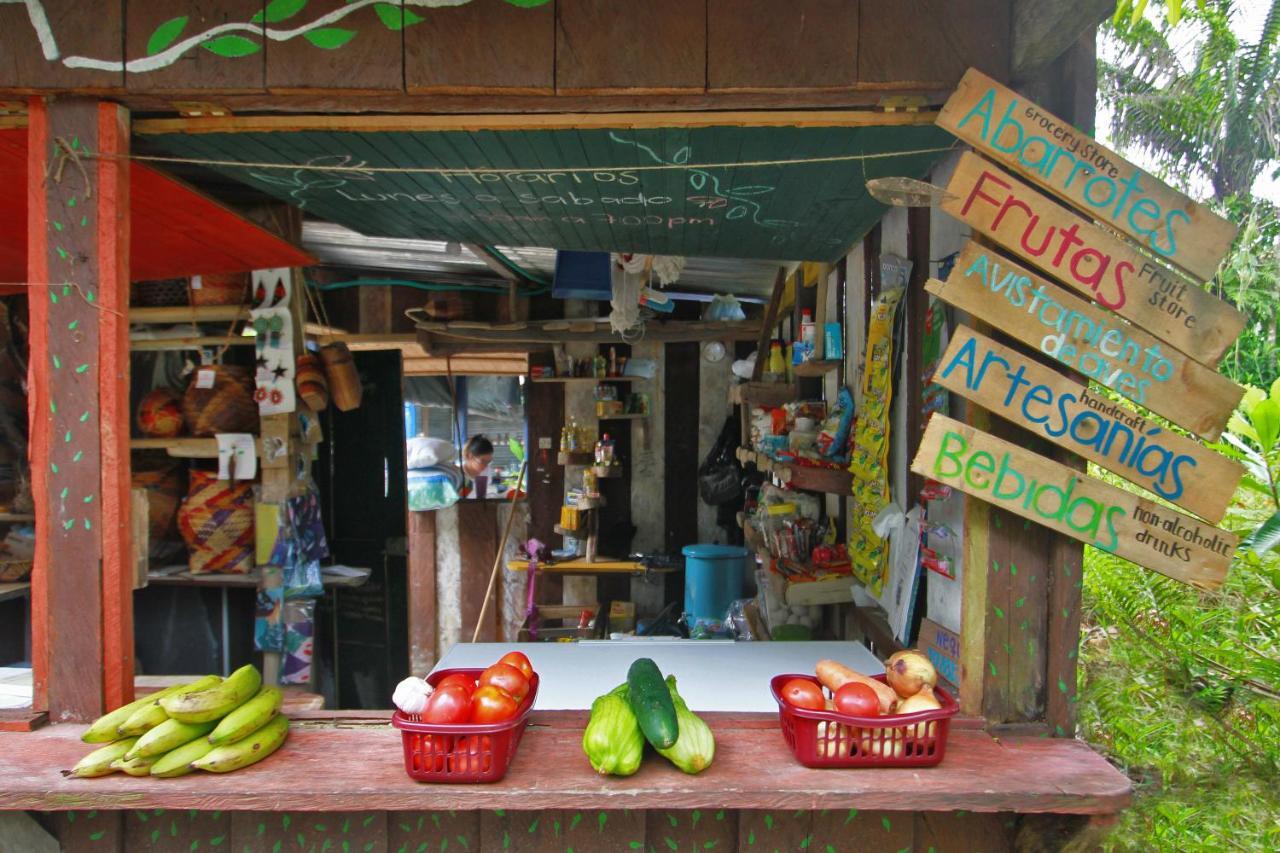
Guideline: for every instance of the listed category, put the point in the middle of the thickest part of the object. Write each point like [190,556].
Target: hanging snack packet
[833,436]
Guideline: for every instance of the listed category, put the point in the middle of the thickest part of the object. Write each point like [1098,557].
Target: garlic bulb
[411,695]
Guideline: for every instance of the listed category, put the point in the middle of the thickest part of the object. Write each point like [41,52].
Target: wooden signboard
[1092,178]
[1088,259]
[1046,403]
[1090,340]
[1070,503]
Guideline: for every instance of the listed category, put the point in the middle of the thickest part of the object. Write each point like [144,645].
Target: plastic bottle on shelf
[808,336]
[777,367]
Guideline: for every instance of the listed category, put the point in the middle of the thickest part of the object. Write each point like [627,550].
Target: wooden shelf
[809,369]
[836,590]
[768,394]
[622,417]
[832,481]
[169,344]
[17,516]
[14,590]
[249,579]
[189,314]
[183,448]
[574,532]
[590,503]
[602,566]
[594,380]
[576,457]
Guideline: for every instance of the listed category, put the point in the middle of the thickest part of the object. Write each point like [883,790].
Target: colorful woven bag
[216,521]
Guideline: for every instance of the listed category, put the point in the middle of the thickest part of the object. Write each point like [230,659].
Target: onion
[411,695]
[907,672]
[922,701]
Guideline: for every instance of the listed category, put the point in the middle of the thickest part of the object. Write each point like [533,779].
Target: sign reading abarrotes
[1050,405]
[1091,260]
[1090,340]
[1064,500]
[1054,155]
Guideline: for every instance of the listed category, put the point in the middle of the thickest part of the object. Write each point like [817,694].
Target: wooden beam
[1044,29]
[770,320]
[422,592]
[522,121]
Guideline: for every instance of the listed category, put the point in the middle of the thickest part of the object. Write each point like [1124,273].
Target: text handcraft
[1092,261]
[1050,405]
[1051,494]
[1088,339]
[1094,179]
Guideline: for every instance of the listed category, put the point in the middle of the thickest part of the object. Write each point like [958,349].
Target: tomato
[857,699]
[466,682]
[449,705]
[432,755]
[520,662]
[508,678]
[490,704]
[803,693]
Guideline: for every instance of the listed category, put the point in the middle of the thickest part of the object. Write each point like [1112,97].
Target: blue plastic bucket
[712,580]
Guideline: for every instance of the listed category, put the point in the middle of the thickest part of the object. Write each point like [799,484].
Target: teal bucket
[712,580]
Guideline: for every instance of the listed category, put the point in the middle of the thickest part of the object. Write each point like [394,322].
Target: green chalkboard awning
[779,192]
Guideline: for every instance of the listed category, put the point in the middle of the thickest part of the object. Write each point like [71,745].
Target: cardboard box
[943,648]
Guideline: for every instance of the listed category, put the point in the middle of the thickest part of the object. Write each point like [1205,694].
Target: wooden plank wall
[757,51]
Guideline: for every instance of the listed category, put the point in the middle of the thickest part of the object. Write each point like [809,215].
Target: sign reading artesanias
[1050,152]
[1064,500]
[1050,405]
[1091,260]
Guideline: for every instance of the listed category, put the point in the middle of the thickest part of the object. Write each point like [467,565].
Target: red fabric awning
[175,230]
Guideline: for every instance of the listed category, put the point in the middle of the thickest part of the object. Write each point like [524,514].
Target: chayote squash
[613,741]
[695,747]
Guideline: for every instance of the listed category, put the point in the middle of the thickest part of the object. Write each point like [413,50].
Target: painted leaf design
[232,46]
[279,10]
[528,4]
[392,18]
[166,34]
[682,156]
[751,190]
[329,38]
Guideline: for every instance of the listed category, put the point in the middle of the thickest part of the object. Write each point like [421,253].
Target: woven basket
[227,406]
[165,486]
[12,571]
[221,289]
[216,522]
[313,385]
[344,379]
[159,294]
[160,414]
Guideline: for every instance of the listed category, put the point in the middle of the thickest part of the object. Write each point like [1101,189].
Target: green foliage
[165,34]
[1248,278]
[279,10]
[329,38]
[232,46]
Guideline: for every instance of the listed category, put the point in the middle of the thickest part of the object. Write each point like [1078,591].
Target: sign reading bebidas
[1064,500]
[1050,405]
[1092,261]
[1090,340]
[1094,179]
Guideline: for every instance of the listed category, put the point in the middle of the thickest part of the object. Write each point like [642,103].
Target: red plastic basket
[829,739]
[463,753]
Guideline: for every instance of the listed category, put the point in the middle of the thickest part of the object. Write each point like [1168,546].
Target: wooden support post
[422,592]
[77,263]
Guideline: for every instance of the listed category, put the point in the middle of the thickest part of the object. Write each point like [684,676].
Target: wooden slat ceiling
[631,189]
[174,230]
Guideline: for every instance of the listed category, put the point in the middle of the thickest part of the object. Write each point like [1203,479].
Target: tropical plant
[1216,116]
[1253,438]
[1248,279]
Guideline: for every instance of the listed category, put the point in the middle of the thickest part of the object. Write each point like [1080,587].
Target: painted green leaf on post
[279,10]
[166,34]
[329,38]
[232,46]
[394,18]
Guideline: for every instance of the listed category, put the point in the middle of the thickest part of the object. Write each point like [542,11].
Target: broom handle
[497,560]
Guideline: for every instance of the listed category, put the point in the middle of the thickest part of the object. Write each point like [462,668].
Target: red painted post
[77,241]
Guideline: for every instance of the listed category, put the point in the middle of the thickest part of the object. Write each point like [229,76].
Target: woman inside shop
[477,455]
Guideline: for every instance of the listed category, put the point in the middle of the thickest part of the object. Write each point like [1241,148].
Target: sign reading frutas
[1091,177]
[1090,340]
[1091,260]
[1064,500]
[1050,405]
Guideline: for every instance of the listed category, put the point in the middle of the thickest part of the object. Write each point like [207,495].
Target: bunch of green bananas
[212,724]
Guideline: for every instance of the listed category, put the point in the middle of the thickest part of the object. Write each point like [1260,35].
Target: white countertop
[712,675]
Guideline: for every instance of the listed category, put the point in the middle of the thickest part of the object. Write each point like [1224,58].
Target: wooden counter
[337,762]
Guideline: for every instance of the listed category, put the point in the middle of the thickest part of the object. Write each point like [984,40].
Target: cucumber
[651,701]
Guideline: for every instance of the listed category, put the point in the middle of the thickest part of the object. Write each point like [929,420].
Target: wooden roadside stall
[760,144]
